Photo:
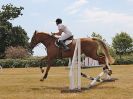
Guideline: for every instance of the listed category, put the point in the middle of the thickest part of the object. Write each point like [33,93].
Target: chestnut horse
[89,47]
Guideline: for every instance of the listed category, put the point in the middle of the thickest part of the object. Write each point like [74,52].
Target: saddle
[66,41]
[70,38]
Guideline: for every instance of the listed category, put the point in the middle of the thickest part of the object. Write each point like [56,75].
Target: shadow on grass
[47,88]
[67,90]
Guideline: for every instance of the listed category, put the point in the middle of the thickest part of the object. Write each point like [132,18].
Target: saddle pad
[68,42]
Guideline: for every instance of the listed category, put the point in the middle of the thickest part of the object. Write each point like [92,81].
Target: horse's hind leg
[107,69]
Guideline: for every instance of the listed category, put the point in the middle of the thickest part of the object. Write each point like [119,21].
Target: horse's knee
[42,70]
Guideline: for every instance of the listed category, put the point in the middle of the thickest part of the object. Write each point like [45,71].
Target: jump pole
[75,71]
[1,68]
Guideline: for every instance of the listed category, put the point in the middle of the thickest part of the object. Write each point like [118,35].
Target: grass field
[23,83]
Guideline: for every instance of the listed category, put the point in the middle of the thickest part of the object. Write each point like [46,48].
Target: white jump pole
[69,64]
[79,64]
[95,79]
[75,73]
[99,78]
[0,68]
[71,74]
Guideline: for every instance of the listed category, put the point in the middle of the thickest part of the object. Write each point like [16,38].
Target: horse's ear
[35,32]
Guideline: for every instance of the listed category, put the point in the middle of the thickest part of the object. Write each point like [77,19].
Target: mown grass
[23,83]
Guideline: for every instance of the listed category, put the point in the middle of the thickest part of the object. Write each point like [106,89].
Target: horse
[89,47]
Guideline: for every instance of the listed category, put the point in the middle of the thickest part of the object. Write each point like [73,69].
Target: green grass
[23,83]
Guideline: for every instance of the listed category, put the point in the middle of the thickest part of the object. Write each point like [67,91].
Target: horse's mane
[47,34]
[43,33]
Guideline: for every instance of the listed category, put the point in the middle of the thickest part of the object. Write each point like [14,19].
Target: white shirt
[64,29]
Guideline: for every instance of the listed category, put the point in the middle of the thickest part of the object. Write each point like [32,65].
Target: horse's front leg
[42,60]
[46,73]
[47,70]
[41,68]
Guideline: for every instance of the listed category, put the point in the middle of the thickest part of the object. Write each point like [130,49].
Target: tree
[2,38]
[96,35]
[9,35]
[17,37]
[10,12]
[122,43]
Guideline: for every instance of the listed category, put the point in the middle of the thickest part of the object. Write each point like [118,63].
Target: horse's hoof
[41,79]
[45,77]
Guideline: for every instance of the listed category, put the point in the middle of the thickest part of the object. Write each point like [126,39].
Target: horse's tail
[105,50]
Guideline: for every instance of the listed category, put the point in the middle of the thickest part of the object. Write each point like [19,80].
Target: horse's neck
[47,40]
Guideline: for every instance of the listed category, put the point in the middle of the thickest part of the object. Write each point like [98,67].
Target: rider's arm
[58,33]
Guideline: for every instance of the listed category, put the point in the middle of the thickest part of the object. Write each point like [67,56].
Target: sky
[82,17]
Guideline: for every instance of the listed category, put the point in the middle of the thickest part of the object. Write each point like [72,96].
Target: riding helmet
[58,21]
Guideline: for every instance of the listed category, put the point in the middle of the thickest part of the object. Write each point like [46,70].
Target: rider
[64,32]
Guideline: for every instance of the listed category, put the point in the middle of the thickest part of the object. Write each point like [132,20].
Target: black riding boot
[66,48]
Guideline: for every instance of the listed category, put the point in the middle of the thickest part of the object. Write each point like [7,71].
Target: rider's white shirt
[67,33]
[64,29]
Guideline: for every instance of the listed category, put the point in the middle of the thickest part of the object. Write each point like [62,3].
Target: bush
[16,52]
[30,62]
[126,59]
[61,62]
[123,61]
[21,63]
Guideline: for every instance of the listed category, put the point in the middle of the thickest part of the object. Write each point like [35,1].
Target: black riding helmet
[58,21]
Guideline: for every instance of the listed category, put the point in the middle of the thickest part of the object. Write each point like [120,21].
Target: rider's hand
[52,34]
